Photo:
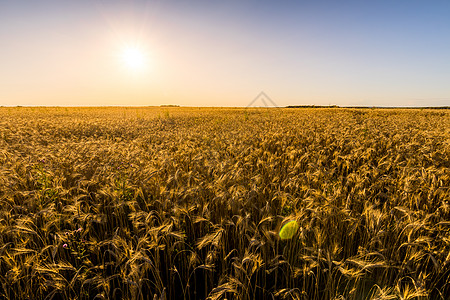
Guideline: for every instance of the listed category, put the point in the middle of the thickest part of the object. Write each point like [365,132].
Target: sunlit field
[196,203]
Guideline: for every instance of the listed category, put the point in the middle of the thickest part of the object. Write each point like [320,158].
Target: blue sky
[223,53]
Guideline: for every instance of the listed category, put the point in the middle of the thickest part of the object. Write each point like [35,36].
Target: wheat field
[190,203]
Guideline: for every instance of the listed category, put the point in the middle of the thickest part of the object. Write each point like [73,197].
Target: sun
[134,58]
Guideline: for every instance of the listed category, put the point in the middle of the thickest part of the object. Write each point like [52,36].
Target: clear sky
[224,53]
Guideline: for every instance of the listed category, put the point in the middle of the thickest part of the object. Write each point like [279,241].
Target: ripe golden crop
[190,203]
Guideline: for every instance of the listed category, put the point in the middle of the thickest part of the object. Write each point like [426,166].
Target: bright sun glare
[134,58]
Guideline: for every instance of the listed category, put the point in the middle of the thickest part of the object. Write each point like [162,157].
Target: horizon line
[240,107]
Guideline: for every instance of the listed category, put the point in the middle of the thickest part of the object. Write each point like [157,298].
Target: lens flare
[288,230]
